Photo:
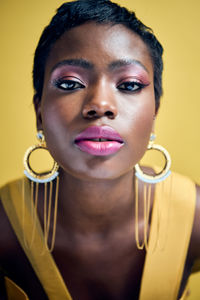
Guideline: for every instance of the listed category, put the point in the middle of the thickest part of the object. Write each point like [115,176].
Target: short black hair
[75,13]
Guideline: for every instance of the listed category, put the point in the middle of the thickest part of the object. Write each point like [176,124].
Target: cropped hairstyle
[75,13]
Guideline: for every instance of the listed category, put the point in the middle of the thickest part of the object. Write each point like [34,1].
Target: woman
[97,79]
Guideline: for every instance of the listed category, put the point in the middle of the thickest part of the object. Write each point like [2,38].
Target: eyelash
[129,86]
[72,85]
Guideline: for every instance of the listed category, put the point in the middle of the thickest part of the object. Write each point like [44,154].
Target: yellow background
[176,24]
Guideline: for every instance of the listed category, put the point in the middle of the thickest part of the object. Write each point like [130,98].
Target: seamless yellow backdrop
[176,24]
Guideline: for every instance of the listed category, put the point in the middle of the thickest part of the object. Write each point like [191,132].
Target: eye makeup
[118,71]
[135,79]
[69,73]
[132,73]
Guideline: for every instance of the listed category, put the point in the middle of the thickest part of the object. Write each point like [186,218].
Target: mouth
[99,140]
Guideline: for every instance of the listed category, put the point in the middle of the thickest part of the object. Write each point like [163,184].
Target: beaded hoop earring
[29,172]
[161,175]
[46,179]
[148,180]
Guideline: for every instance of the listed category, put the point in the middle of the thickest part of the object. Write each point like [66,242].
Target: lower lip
[99,148]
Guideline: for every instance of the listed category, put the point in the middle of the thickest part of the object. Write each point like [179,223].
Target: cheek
[138,125]
[58,117]
[58,112]
[139,111]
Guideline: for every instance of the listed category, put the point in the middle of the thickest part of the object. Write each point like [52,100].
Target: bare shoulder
[194,248]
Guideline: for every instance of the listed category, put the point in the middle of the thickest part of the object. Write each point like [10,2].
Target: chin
[97,170]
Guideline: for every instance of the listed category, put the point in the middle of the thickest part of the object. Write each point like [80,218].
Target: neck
[89,206]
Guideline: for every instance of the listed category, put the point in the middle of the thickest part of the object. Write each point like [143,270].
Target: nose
[100,102]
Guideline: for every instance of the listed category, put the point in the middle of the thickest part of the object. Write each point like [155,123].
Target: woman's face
[98,78]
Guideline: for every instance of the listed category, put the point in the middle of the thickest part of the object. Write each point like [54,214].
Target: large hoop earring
[161,175]
[29,172]
[36,179]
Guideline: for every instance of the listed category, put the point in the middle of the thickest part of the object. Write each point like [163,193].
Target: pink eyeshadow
[70,71]
[134,72]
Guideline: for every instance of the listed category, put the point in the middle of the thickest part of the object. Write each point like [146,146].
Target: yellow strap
[14,292]
[43,264]
[171,225]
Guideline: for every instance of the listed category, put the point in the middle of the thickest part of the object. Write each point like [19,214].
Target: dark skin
[95,248]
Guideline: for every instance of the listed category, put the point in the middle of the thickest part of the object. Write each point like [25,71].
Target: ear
[37,106]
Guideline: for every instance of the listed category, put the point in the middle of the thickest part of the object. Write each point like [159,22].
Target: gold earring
[46,179]
[161,175]
[29,172]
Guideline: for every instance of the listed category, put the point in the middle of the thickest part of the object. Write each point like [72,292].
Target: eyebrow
[74,62]
[80,62]
[126,62]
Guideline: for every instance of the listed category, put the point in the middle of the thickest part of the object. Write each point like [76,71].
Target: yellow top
[171,225]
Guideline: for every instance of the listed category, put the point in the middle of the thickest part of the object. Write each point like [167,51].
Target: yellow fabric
[171,226]
[43,264]
[164,261]
[14,292]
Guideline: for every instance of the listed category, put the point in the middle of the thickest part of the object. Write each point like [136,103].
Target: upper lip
[99,132]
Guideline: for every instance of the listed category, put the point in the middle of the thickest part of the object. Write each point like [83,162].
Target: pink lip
[85,142]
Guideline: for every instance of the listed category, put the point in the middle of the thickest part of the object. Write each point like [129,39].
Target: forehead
[100,44]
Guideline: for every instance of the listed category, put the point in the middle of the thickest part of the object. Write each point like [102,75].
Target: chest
[111,272]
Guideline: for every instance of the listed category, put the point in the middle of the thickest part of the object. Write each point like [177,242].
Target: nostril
[109,114]
[98,113]
[91,113]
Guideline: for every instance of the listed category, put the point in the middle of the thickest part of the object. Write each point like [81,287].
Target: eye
[68,85]
[131,86]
